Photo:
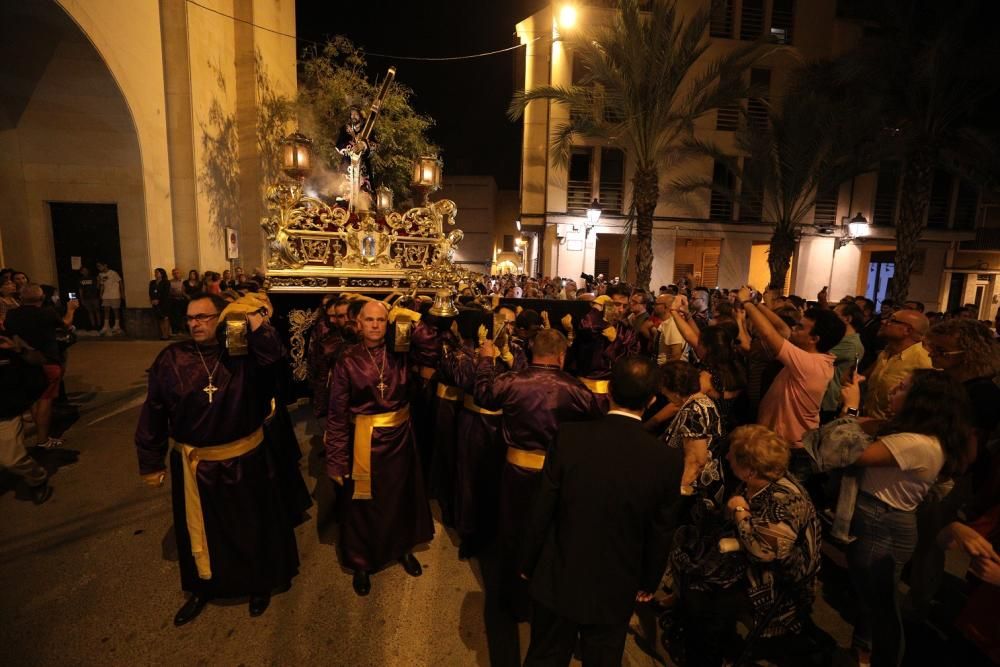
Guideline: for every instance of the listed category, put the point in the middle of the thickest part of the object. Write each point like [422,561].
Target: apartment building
[707,235]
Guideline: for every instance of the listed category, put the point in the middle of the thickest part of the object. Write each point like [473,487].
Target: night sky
[467,99]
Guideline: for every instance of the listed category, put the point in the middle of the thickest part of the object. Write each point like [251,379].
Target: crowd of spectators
[802,418]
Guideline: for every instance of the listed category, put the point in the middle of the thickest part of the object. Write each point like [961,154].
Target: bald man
[902,332]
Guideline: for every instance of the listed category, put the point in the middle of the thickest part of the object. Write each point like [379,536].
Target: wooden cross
[210,389]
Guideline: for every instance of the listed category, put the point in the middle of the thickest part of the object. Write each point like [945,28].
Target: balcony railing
[578,195]
[612,197]
[987,238]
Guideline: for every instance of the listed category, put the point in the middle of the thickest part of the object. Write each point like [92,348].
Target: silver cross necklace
[210,388]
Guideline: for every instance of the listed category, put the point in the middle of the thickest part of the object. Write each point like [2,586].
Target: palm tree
[929,66]
[647,81]
[808,147]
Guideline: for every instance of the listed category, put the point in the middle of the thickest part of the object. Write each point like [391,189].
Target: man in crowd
[605,337]
[22,382]
[371,454]
[792,403]
[902,332]
[591,593]
[110,284]
[39,327]
[326,341]
[700,313]
[89,294]
[668,343]
[847,355]
[234,534]
[535,401]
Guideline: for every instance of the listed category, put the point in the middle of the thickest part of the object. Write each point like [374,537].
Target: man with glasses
[234,533]
[902,332]
[328,337]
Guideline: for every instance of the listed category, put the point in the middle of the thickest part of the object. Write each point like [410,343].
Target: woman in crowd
[927,436]
[777,529]
[192,285]
[159,298]
[696,429]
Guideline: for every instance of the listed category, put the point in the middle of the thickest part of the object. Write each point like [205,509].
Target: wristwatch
[852,412]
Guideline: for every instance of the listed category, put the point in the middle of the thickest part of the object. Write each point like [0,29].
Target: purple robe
[596,354]
[249,535]
[426,342]
[379,531]
[478,456]
[325,343]
[534,402]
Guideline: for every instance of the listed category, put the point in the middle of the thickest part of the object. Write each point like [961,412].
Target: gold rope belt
[525,459]
[449,393]
[597,386]
[471,406]
[365,425]
[192,497]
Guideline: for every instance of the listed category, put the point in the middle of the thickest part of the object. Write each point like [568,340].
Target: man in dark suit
[598,535]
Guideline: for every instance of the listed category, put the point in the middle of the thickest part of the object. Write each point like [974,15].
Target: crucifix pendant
[381,386]
[210,389]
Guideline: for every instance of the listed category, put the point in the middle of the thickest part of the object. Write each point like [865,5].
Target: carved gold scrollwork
[299,323]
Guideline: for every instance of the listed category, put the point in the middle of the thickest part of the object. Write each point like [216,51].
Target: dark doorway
[956,290]
[87,231]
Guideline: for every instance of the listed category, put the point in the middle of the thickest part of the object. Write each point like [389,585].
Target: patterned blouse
[699,419]
[782,540]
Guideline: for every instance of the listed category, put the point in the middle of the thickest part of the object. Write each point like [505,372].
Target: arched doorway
[68,143]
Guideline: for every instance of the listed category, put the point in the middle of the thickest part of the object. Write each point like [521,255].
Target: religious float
[355,242]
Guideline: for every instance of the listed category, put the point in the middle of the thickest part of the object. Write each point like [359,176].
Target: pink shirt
[791,405]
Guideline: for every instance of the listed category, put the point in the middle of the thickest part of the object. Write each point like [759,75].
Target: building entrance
[84,234]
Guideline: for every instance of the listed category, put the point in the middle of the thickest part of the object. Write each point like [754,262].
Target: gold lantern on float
[383,199]
[296,156]
[427,175]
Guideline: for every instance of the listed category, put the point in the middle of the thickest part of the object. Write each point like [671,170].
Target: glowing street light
[567,17]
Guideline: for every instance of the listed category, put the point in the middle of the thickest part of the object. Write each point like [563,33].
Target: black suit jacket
[602,521]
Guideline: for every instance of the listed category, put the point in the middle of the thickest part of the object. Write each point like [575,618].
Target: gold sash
[426,372]
[525,459]
[192,498]
[596,386]
[449,393]
[364,426]
[471,406]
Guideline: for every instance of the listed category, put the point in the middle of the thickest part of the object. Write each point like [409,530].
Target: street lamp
[567,17]
[857,227]
[593,214]
[296,155]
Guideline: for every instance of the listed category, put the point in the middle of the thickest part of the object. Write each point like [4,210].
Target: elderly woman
[777,529]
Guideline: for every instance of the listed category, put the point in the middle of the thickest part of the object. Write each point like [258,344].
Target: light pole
[593,217]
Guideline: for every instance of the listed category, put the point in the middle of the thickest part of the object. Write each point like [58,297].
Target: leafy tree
[333,80]
[647,81]
[808,147]
[928,66]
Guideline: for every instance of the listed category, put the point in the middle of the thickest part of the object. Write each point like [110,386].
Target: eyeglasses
[893,320]
[202,317]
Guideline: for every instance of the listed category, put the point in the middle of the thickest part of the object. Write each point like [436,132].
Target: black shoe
[190,610]
[40,493]
[259,603]
[411,565]
[362,583]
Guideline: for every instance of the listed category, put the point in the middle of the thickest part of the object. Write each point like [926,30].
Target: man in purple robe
[605,336]
[534,402]
[371,452]
[233,529]
[327,338]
